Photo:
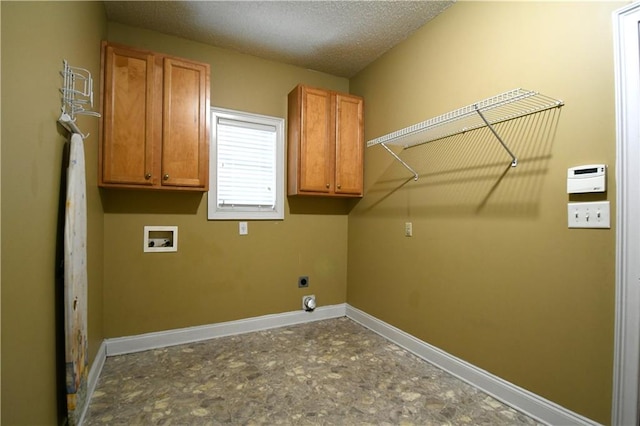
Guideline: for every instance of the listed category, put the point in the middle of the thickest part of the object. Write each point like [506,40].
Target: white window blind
[247,166]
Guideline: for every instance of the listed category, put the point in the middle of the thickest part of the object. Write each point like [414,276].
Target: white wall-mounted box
[589,178]
[160,238]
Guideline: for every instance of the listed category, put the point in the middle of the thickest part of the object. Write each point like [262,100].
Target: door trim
[627,322]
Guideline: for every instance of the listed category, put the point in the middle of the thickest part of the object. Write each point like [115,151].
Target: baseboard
[527,402]
[94,375]
[143,342]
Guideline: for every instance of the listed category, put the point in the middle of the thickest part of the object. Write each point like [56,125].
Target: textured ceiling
[336,37]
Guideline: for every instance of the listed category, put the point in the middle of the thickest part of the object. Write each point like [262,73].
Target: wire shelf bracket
[506,106]
[77,94]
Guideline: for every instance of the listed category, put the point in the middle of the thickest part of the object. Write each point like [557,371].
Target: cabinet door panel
[349,145]
[127,156]
[185,143]
[315,141]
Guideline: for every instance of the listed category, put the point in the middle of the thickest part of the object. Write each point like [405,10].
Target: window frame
[215,212]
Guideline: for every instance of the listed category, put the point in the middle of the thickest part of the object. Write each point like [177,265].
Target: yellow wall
[218,275]
[492,274]
[36,37]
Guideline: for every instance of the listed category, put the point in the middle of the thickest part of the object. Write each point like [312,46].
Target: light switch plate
[589,215]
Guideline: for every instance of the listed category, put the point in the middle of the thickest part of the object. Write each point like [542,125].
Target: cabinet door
[127,142]
[185,142]
[316,156]
[349,145]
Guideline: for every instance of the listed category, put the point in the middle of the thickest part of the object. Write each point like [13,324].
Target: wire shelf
[485,113]
[503,107]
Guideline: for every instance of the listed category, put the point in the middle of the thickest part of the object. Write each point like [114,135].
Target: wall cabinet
[326,143]
[155,125]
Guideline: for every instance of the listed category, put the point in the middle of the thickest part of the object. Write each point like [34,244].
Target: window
[246,178]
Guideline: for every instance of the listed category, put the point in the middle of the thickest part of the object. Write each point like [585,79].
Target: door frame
[624,410]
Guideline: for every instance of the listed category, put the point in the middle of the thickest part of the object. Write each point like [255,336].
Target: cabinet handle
[327,185]
[147,176]
[339,186]
[166,176]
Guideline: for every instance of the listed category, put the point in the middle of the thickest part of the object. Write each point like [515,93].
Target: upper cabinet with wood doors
[155,125]
[326,143]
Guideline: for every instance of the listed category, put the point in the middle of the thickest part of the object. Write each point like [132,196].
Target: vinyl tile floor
[331,372]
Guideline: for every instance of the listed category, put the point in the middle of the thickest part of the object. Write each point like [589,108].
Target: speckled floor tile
[332,372]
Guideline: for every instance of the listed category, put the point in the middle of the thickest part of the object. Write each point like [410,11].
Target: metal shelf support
[514,159]
[415,174]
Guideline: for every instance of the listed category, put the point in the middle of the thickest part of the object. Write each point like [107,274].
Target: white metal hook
[70,124]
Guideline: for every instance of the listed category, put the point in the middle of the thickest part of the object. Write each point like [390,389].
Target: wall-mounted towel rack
[77,92]
[503,107]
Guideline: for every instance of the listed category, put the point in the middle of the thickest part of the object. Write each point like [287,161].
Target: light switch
[589,215]
[243,228]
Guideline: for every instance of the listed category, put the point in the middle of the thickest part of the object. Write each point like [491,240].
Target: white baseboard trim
[143,342]
[521,399]
[92,379]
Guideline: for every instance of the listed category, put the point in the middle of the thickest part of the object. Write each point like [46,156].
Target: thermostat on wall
[590,178]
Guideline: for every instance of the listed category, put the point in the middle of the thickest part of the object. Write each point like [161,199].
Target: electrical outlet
[589,215]
[408,229]
[243,228]
[303,281]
